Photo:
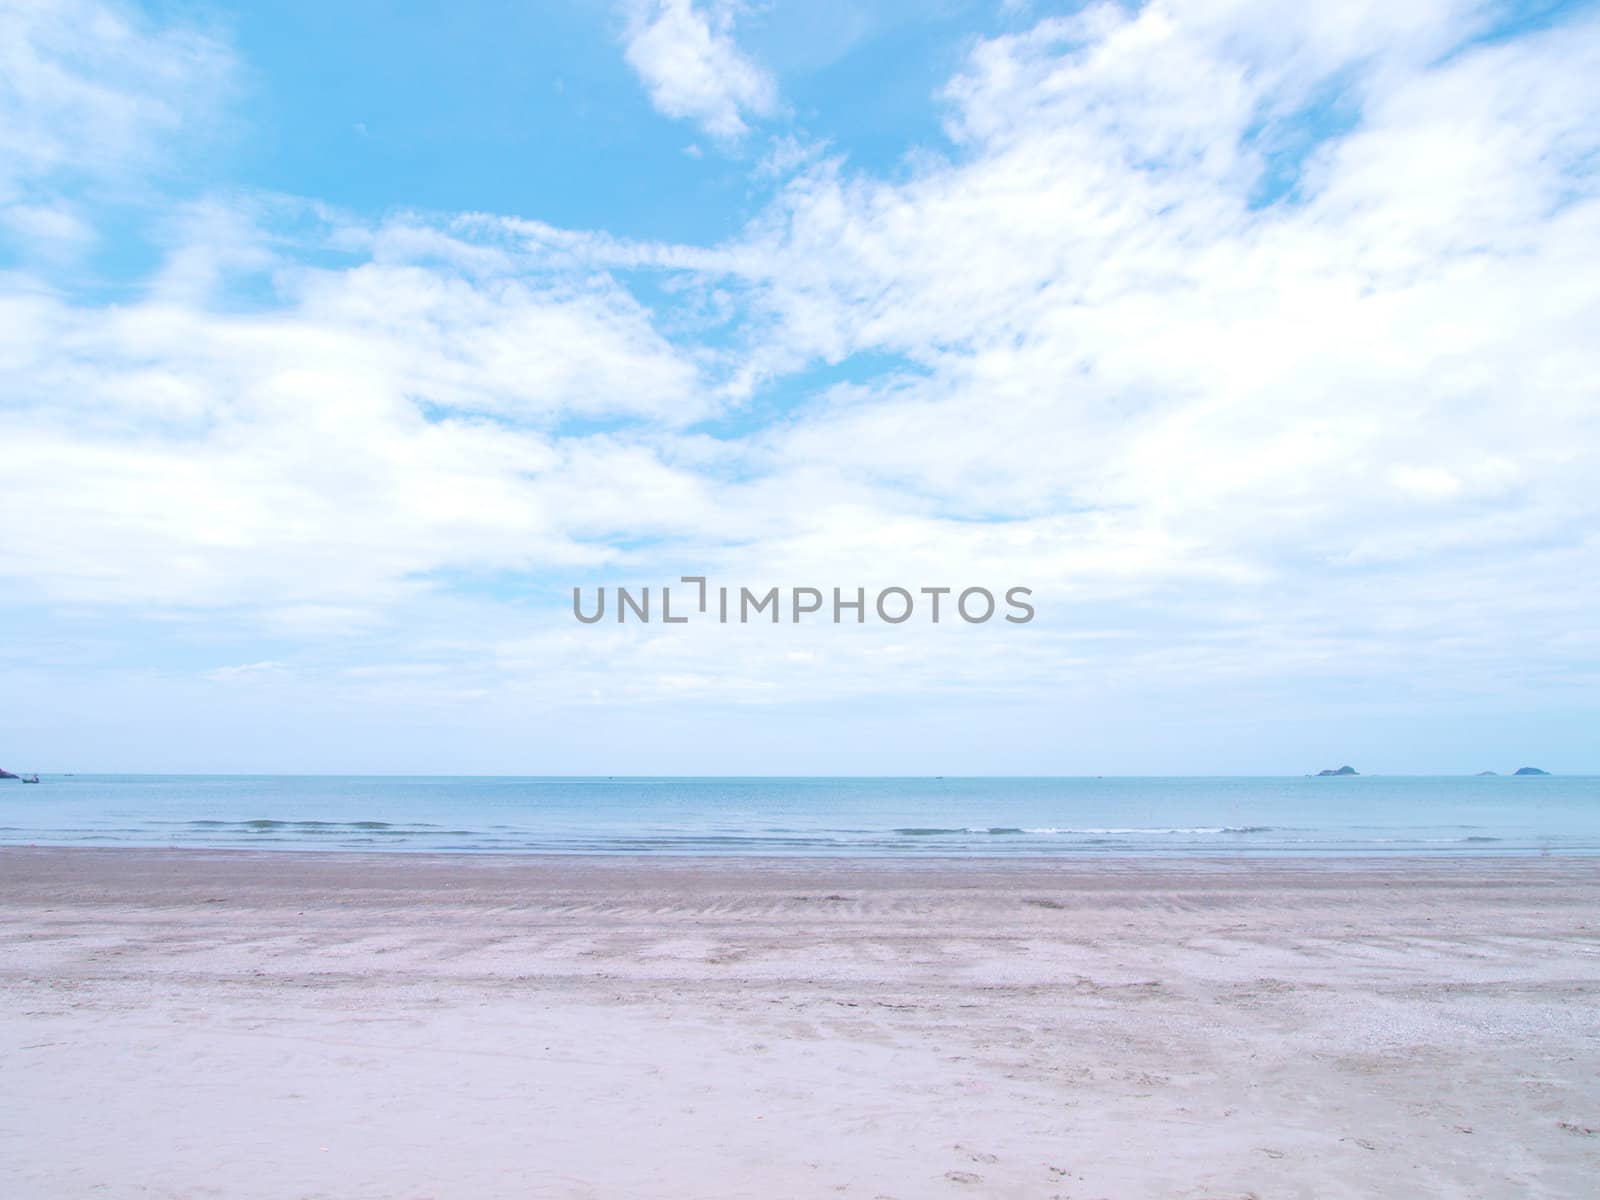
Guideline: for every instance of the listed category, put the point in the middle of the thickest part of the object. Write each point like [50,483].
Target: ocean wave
[1053,830]
[258,825]
[935,831]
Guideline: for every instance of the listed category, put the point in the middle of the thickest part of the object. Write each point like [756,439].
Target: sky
[339,343]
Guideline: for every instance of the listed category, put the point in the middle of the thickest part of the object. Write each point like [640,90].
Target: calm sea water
[1363,815]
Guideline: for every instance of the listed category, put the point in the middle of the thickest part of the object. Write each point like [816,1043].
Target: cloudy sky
[338,344]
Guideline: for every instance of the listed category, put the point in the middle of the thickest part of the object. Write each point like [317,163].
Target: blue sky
[338,343]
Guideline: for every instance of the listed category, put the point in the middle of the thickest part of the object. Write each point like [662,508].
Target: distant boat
[29,778]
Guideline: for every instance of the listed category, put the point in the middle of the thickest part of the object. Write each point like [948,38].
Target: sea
[990,817]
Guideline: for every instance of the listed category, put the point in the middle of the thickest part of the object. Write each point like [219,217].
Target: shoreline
[262,1023]
[1406,856]
[35,856]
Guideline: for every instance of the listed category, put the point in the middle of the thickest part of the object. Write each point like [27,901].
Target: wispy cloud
[372,425]
[89,88]
[1237,438]
[685,55]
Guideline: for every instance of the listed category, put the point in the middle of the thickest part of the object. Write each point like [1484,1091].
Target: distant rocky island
[1349,770]
[5,774]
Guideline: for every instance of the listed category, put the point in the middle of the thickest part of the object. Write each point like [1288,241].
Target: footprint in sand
[963,1177]
[977,1156]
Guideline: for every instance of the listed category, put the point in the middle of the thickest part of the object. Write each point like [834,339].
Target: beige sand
[194,1024]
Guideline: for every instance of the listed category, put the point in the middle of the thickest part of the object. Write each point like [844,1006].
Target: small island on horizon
[1347,769]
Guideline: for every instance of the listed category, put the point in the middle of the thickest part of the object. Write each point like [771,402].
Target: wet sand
[294,1025]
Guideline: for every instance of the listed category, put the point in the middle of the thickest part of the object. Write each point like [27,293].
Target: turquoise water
[1363,815]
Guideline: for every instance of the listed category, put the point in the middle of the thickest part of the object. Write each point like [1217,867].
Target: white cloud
[1351,434]
[47,231]
[373,426]
[1100,322]
[249,673]
[688,61]
[86,88]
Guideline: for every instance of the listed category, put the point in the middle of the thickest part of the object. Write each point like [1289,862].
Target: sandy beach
[296,1025]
